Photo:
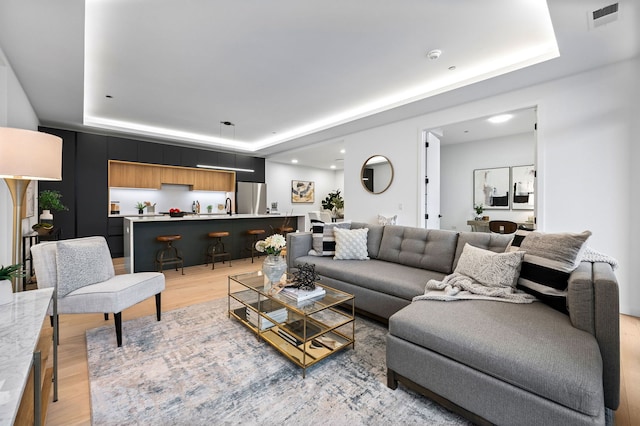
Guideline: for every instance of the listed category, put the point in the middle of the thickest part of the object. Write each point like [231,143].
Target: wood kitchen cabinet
[125,174]
[134,175]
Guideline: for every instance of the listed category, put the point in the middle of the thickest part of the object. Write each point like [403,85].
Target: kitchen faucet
[227,202]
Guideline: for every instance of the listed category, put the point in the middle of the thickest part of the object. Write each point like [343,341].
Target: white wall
[457,163]
[585,156]
[278,177]
[15,111]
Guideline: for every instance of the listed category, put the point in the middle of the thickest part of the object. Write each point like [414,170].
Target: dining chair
[82,272]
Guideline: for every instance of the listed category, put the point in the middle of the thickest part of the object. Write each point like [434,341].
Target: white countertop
[205,216]
[20,325]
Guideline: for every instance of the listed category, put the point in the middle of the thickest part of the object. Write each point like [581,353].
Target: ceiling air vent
[603,16]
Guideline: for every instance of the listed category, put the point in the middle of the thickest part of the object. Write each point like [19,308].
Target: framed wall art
[28,205]
[522,186]
[302,191]
[491,188]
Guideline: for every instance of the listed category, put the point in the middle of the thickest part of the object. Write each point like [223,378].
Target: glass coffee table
[304,331]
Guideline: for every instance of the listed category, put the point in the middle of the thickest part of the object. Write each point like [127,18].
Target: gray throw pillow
[82,263]
[489,268]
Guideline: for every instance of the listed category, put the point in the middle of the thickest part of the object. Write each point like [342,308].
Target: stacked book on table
[299,295]
[292,332]
[275,311]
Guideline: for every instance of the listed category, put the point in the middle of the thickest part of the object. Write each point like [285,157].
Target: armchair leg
[158,306]
[106,316]
[118,320]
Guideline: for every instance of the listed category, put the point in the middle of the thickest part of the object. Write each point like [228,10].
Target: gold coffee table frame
[312,330]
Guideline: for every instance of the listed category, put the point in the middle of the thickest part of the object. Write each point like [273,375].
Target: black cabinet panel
[91,185]
[149,152]
[116,226]
[171,155]
[116,245]
[226,159]
[250,163]
[191,157]
[258,167]
[122,149]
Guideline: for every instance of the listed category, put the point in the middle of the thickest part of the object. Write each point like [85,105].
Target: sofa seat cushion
[377,275]
[529,346]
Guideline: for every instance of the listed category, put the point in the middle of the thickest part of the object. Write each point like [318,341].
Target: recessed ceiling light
[333,166]
[342,151]
[294,161]
[109,96]
[500,118]
[452,68]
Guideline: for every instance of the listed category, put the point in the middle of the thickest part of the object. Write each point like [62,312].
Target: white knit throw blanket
[591,255]
[461,287]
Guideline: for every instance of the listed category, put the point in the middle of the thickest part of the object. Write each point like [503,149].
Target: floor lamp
[26,155]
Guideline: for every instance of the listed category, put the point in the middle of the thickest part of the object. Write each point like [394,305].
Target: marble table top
[20,325]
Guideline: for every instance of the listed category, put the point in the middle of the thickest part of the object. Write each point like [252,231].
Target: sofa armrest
[607,329]
[298,244]
[592,301]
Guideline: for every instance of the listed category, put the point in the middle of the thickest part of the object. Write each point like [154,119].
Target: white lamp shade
[30,155]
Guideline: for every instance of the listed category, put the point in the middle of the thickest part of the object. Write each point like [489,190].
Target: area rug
[197,366]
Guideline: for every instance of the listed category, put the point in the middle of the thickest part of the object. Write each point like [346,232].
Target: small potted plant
[50,201]
[140,206]
[479,208]
[209,208]
[7,273]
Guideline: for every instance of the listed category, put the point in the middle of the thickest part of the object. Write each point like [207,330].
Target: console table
[25,378]
[483,225]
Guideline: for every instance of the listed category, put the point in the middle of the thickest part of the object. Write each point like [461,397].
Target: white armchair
[82,271]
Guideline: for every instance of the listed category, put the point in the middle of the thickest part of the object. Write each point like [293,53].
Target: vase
[6,292]
[273,267]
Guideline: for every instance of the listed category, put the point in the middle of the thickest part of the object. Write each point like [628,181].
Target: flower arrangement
[272,244]
[479,208]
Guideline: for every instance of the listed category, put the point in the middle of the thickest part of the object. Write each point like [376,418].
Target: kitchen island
[140,232]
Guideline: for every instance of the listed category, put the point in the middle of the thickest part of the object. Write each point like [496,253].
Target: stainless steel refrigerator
[251,198]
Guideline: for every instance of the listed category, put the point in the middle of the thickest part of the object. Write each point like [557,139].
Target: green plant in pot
[48,201]
[140,206]
[335,203]
[479,208]
[7,274]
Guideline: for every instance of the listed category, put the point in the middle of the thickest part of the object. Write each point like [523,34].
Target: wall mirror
[376,174]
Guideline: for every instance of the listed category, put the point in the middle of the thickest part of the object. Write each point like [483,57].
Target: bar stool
[284,230]
[254,236]
[216,249]
[170,254]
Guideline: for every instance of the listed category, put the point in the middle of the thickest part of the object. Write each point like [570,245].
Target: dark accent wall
[85,174]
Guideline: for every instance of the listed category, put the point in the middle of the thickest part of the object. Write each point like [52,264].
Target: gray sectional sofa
[493,362]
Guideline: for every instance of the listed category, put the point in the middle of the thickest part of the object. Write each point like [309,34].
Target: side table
[34,238]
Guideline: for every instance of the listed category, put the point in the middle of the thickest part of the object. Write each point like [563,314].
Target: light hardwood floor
[200,284]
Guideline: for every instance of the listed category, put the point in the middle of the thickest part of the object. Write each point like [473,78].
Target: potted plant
[50,201]
[209,208]
[479,208]
[140,206]
[334,203]
[7,273]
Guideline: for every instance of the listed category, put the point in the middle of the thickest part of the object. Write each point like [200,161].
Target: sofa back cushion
[431,249]
[374,237]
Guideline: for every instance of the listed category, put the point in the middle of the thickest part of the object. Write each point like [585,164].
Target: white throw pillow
[351,244]
[489,268]
[392,220]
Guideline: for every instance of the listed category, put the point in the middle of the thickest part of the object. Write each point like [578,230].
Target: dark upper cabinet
[226,159]
[149,152]
[190,157]
[122,149]
[92,186]
[171,155]
[250,163]
[65,220]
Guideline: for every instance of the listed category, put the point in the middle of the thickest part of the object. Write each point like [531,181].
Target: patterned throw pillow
[382,220]
[548,261]
[489,268]
[323,242]
[351,244]
[82,263]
